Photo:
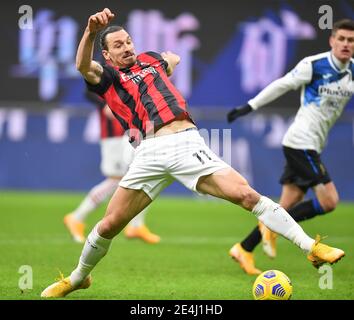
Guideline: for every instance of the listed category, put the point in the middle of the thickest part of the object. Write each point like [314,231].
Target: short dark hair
[346,24]
[110,29]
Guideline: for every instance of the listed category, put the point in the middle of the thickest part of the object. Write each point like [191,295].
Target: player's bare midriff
[179,124]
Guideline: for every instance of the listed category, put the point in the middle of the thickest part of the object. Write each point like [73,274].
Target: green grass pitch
[191,262]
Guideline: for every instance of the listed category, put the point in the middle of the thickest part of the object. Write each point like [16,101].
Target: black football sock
[306,210]
[252,240]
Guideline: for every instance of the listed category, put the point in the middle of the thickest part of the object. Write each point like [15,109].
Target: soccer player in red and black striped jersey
[116,155]
[145,101]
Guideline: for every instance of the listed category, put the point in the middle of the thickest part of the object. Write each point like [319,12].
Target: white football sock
[139,219]
[95,197]
[94,250]
[274,217]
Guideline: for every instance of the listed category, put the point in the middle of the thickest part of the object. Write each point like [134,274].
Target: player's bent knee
[328,208]
[329,204]
[105,228]
[110,227]
[245,196]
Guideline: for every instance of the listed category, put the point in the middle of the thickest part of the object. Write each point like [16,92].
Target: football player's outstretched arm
[274,90]
[90,69]
[300,75]
[238,112]
[172,60]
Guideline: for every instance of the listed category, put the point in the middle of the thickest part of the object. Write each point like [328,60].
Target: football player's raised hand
[100,20]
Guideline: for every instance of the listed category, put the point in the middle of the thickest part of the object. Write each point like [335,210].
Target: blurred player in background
[327,85]
[142,97]
[116,155]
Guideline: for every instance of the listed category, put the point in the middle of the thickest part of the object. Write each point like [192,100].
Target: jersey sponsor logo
[327,76]
[334,92]
[136,77]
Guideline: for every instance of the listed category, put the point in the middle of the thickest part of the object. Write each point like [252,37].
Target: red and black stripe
[123,107]
[141,97]
[110,127]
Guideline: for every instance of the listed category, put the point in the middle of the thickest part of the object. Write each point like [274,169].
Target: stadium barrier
[58,149]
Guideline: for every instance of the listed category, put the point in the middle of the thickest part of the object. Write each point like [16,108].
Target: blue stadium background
[48,133]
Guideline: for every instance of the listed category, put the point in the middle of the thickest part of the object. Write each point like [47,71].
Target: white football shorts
[116,156]
[181,156]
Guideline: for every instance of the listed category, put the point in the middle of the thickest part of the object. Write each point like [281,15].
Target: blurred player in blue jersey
[326,82]
[116,155]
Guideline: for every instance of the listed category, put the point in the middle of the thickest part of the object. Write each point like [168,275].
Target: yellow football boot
[63,287]
[268,240]
[321,253]
[141,232]
[75,227]
[244,258]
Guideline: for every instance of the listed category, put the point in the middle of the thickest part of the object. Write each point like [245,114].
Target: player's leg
[304,169]
[199,169]
[325,201]
[124,205]
[291,195]
[75,221]
[113,167]
[327,196]
[96,196]
[230,185]
[145,179]
[136,228]
[242,252]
